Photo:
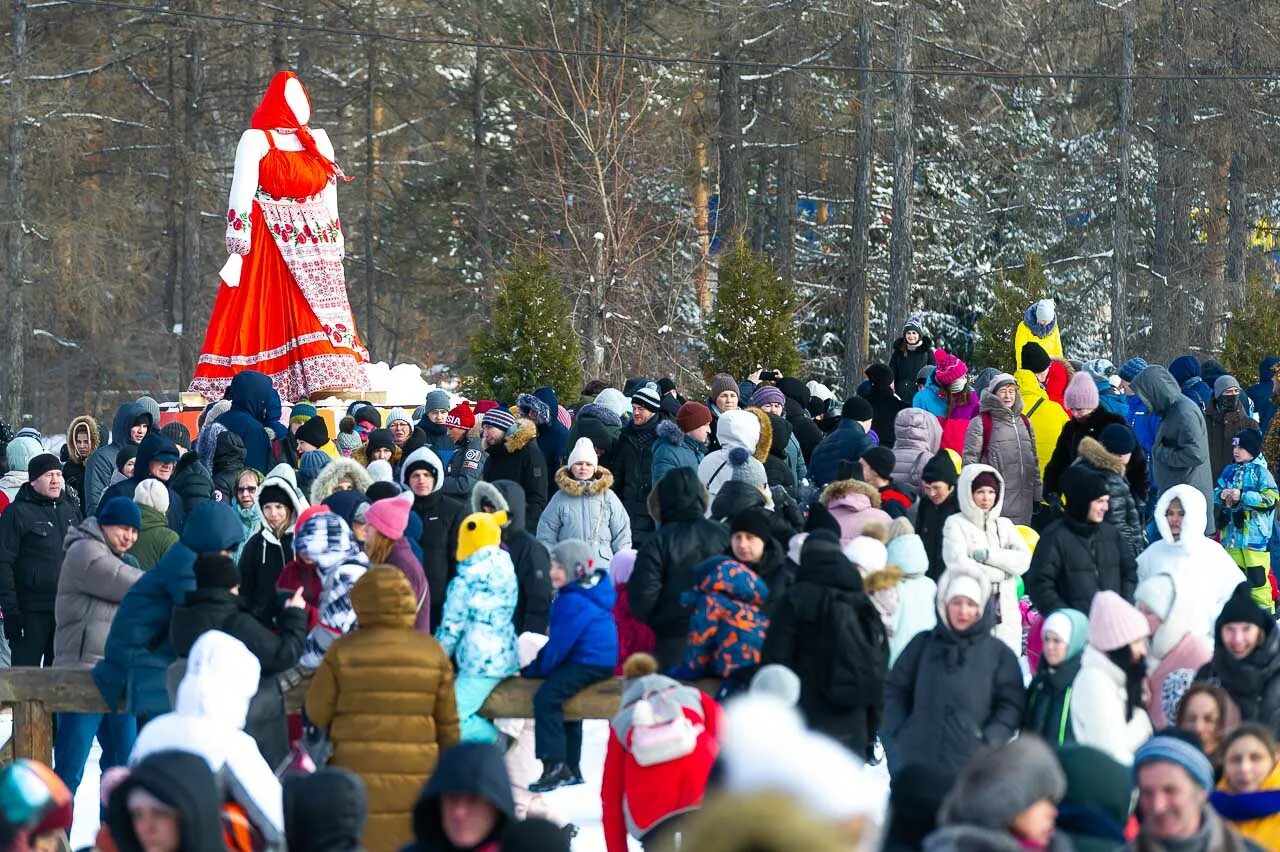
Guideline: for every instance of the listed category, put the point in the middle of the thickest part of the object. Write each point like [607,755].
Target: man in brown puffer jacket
[385,693]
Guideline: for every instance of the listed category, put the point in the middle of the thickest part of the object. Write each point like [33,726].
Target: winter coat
[1144,424]
[295,575]
[1048,336]
[385,694]
[474,769]
[1185,370]
[138,650]
[826,629]
[74,468]
[854,504]
[885,405]
[637,798]
[1122,512]
[1007,556]
[227,464]
[33,531]
[1074,560]
[919,436]
[846,443]
[582,630]
[476,627]
[930,398]
[1223,426]
[253,401]
[265,554]
[1256,815]
[518,458]
[1177,668]
[807,433]
[211,704]
[952,692]
[441,517]
[1260,394]
[907,363]
[1250,521]
[728,627]
[1253,683]
[589,511]
[665,564]
[916,613]
[100,466]
[784,466]
[338,471]
[220,609]
[634,636]
[191,481]
[156,443]
[1181,453]
[674,448]
[1010,449]
[1098,709]
[1047,417]
[1050,697]
[154,539]
[1193,558]
[1076,430]
[463,469]
[1111,398]
[91,585]
[530,557]
[930,523]
[740,429]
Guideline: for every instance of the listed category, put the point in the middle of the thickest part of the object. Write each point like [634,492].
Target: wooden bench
[36,694]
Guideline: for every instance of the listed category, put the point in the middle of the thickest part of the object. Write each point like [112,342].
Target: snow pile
[403,385]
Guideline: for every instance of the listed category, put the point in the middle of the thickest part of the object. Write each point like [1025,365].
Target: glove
[980,555]
[13,626]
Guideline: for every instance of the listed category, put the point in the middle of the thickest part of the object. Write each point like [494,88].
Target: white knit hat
[380,471]
[868,554]
[964,587]
[583,451]
[152,493]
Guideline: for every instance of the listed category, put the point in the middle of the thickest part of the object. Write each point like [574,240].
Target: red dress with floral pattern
[289,318]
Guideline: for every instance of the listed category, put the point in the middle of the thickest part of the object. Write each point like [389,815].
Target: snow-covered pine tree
[993,346]
[530,341]
[753,324]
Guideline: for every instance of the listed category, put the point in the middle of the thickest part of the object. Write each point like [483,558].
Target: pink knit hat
[389,516]
[950,369]
[1082,392]
[1114,622]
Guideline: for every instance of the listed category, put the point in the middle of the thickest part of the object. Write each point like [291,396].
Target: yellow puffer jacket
[385,693]
[1046,416]
[1052,343]
[1265,830]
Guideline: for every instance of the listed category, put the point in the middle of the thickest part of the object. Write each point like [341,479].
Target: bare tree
[857,335]
[15,266]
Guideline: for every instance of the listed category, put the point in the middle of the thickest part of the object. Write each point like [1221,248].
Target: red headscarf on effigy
[274,113]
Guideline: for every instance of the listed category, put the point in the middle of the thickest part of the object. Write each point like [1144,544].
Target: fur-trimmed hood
[669,431]
[887,577]
[339,470]
[361,454]
[1092,451]
[518,438]
[849,488]
[765,441]
[600,482]
[84,421]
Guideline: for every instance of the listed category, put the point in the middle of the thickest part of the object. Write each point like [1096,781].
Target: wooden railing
[36,694]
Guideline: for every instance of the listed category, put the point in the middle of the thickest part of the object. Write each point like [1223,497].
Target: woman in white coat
[1107,710]
[1196,562]
[979,539]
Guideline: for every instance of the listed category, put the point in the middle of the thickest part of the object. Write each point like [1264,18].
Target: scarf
[1038,329]
[274,113]
[1135,672]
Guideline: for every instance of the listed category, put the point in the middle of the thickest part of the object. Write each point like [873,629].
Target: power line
[659,59]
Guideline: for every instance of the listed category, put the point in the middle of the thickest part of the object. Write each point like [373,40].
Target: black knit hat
[820,518]
[315,432]
[881,460]
[940,468]
[1118,439]
[665,385]
[216,571]
[178,433]
[754,520]
[382,491]
[1081,486]
[1241,607]
[1249,440]
[856,408]
[380,439]
[42,464]
[880,375]
[1034,358]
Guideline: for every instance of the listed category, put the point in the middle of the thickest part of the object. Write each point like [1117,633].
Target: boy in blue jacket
[582,649]
[1246,495]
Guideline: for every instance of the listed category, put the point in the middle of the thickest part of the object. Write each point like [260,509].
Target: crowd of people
[1043,599]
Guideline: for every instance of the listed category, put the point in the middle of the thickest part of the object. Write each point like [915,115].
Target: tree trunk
[701,197]
[856,336]
[785,214]
[1237,178]
[1209,329]
[479,166]
[192,140]
[901,252]
[15,266]
[1120,230]
[368,229]
[1168,304]
[729,208]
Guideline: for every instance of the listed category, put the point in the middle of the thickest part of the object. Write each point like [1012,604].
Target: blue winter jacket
[1185,370]
[846,443]
[930,398]
[477,627]
[582,629]
[553,437]
[138,651]
[1110,399]
[1260,394]
[1145,425]
[674,448]
[1251,520]
[252,400]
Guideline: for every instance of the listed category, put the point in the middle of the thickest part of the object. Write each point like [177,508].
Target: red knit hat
[460,417]
[950,369]
[389,517]
[486,405]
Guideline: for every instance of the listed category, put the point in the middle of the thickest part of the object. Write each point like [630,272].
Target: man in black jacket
[633,462]
[1080,554]
[32,530]
[528,555]
[157,459]
[423,476]
[665,564]
[511,452]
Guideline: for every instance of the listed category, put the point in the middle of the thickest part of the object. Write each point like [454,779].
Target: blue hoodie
[1185,370]
[252,402]
[847,443]
[1260,394]
[102,464]
[138,651]
[155,444]
[582,629]
[553,438]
